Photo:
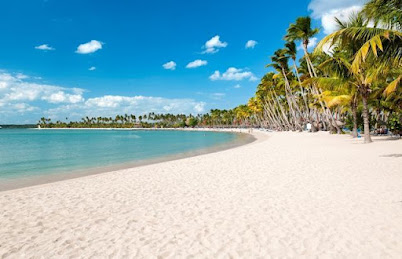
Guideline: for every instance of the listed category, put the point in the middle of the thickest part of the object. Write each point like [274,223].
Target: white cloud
[237,86]
[233,73]
[213,45]
[197,63]
[18,108]
[328,48]
[21,76]
[111,105]
[327,10]
[171,65]
[14,88]
[62,97]
[4,77]
[311,44]
[109,101]
[44,47]
[251,44]
[321,7]
[215,76]
[20,96]
[199,107]
[218,96]
[89,47]
[158,104]
[91,68]
[328,19]
[24,107]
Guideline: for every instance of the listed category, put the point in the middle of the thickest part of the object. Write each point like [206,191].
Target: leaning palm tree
[291,51]
[271,94]
[280,63]
[301,31]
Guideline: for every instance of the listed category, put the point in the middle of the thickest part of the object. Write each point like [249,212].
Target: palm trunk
[270,110]
[280,114]
[332,124]
[291,101]
[307,57]
[354,114]
[378,115]
[366,122]
[312,72]
[282,110]
[326,111]
[271,117]
[301,88]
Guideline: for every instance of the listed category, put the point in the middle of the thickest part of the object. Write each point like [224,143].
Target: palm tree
[280,63]
[301,31]
[291,51]
[386,12]
[345,38]
[339,82]
[242,113]
[272,94]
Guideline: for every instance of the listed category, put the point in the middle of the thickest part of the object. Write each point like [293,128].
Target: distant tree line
[237,117]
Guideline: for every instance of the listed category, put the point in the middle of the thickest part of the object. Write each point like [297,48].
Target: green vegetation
[352,78]
[238,117]
[217,118]
[125,121]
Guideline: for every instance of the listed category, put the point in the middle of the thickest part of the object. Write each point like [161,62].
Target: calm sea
[31,152]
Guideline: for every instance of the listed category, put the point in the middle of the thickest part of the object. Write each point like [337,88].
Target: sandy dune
[288,195]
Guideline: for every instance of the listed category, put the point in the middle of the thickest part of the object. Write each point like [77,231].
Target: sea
[33,152]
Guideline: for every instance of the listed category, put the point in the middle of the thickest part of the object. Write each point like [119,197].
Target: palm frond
[391,88]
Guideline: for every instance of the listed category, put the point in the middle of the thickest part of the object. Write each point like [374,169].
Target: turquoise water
[27,152]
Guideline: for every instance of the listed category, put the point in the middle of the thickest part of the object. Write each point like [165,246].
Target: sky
[71,59]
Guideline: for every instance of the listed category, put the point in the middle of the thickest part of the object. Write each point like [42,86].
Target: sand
[285,195]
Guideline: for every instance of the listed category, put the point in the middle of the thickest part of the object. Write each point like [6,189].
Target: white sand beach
[285,195]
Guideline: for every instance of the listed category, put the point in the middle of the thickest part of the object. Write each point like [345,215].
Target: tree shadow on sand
[388,138]
[392,155]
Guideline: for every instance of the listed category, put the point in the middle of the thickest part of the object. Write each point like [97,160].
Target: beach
[285,195]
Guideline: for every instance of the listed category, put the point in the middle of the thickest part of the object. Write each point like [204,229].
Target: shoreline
[240,130]
[242,138]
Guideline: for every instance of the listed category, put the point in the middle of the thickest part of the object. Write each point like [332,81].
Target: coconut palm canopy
[351,81]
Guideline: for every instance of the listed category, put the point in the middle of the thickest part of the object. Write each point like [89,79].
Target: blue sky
[74,58]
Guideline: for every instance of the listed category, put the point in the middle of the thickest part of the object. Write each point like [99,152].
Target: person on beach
[308,127]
